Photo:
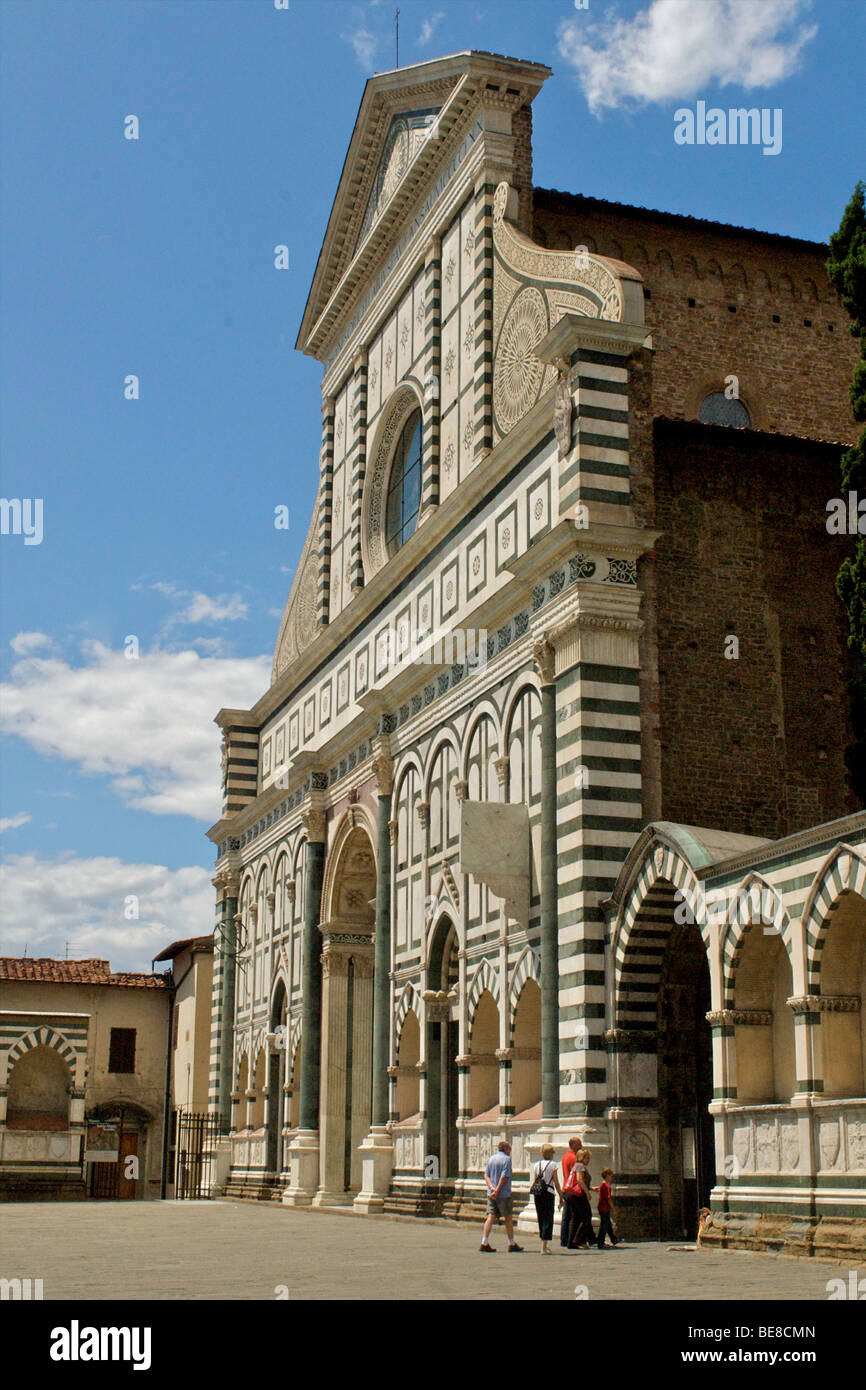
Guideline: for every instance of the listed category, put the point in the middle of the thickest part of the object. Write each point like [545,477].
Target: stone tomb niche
[347,1014]
[843,977]
[39,1086]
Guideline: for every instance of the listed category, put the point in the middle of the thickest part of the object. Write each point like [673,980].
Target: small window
[121,1050]
[717,409]
[404,485]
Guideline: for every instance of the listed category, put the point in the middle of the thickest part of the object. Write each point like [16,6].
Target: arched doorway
[443,1045]
[348,897]
[685,1061]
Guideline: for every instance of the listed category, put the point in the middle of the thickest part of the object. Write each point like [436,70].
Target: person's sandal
[487,1249]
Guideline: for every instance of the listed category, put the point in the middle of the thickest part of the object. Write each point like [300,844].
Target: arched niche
[39,1085]
[764,1023]
[526,1064]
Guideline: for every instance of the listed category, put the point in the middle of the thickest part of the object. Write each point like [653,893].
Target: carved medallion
[518,374]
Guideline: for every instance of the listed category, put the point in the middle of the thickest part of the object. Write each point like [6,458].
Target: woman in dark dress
[582,1234]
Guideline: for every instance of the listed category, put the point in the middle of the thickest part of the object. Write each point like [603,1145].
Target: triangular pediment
[405,120]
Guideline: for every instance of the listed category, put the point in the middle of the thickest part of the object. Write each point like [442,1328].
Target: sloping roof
[45,970]
[191,943]
[548,198]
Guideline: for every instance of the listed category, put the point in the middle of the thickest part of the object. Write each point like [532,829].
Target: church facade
[566,598]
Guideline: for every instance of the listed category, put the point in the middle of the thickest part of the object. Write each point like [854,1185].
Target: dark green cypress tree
[846,268]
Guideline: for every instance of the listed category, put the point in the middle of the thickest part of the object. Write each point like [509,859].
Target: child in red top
[605,1209]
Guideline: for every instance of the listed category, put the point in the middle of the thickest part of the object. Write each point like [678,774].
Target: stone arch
[348,839]
[74,1055]
[735,277]
[663,263]
[713,271]
[527,968]
[443,939]
[484,709]
[407,398]
[664,885]
[409,999]
[525,681]
[484,979]
[754,902]
[843,871]
[408,1091]
[446,736]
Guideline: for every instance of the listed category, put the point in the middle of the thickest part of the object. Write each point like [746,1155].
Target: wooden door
[128,1149]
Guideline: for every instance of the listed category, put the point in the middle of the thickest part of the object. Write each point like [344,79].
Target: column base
[304,1151]
[377,1165]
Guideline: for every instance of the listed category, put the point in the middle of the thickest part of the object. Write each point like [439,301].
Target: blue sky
[154,257]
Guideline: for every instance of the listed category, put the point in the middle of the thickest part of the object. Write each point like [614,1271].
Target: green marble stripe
[597,494]
[595,468]
[585,382]
[597,733]
[604,359]
[603,412]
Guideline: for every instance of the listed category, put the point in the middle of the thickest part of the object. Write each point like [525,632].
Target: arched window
[718,409]
[404,485]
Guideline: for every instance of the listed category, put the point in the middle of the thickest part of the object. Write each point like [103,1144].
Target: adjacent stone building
[82,1079]
[566,598]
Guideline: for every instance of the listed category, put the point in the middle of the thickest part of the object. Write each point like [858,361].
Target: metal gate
[195,1137]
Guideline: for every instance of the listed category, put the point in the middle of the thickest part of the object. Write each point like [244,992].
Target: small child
[605,1209]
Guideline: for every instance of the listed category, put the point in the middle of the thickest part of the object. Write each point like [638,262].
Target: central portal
[347,1012]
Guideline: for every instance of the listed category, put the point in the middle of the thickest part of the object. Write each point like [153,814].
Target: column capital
[461,789]
[392,831]
[226,881]
[824,1003]
[544,657]
[501,766]
[328,405]
[359,361]
[315,824]
[423,809]
[383,768]
[433,250]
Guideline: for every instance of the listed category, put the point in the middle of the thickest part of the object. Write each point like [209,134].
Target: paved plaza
[228,1250]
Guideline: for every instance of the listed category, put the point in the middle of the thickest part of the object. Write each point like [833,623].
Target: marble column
[544,658]
[227,937]
[305,1145]
[377,1149]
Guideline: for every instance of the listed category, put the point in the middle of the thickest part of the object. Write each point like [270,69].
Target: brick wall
[793,375]
[756,744]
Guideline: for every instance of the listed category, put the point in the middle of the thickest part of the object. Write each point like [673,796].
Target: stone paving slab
[243,1250]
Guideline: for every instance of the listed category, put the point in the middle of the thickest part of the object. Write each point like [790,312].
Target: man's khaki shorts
[501,1207]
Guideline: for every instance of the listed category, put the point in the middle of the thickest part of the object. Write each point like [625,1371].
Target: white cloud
[201,608]
[429,27]
[26,642]
[13,822]
[364,43]
[47,902]
[146,723]
[675,48]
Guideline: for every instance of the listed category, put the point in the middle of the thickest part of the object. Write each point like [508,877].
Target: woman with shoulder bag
[545,1185]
